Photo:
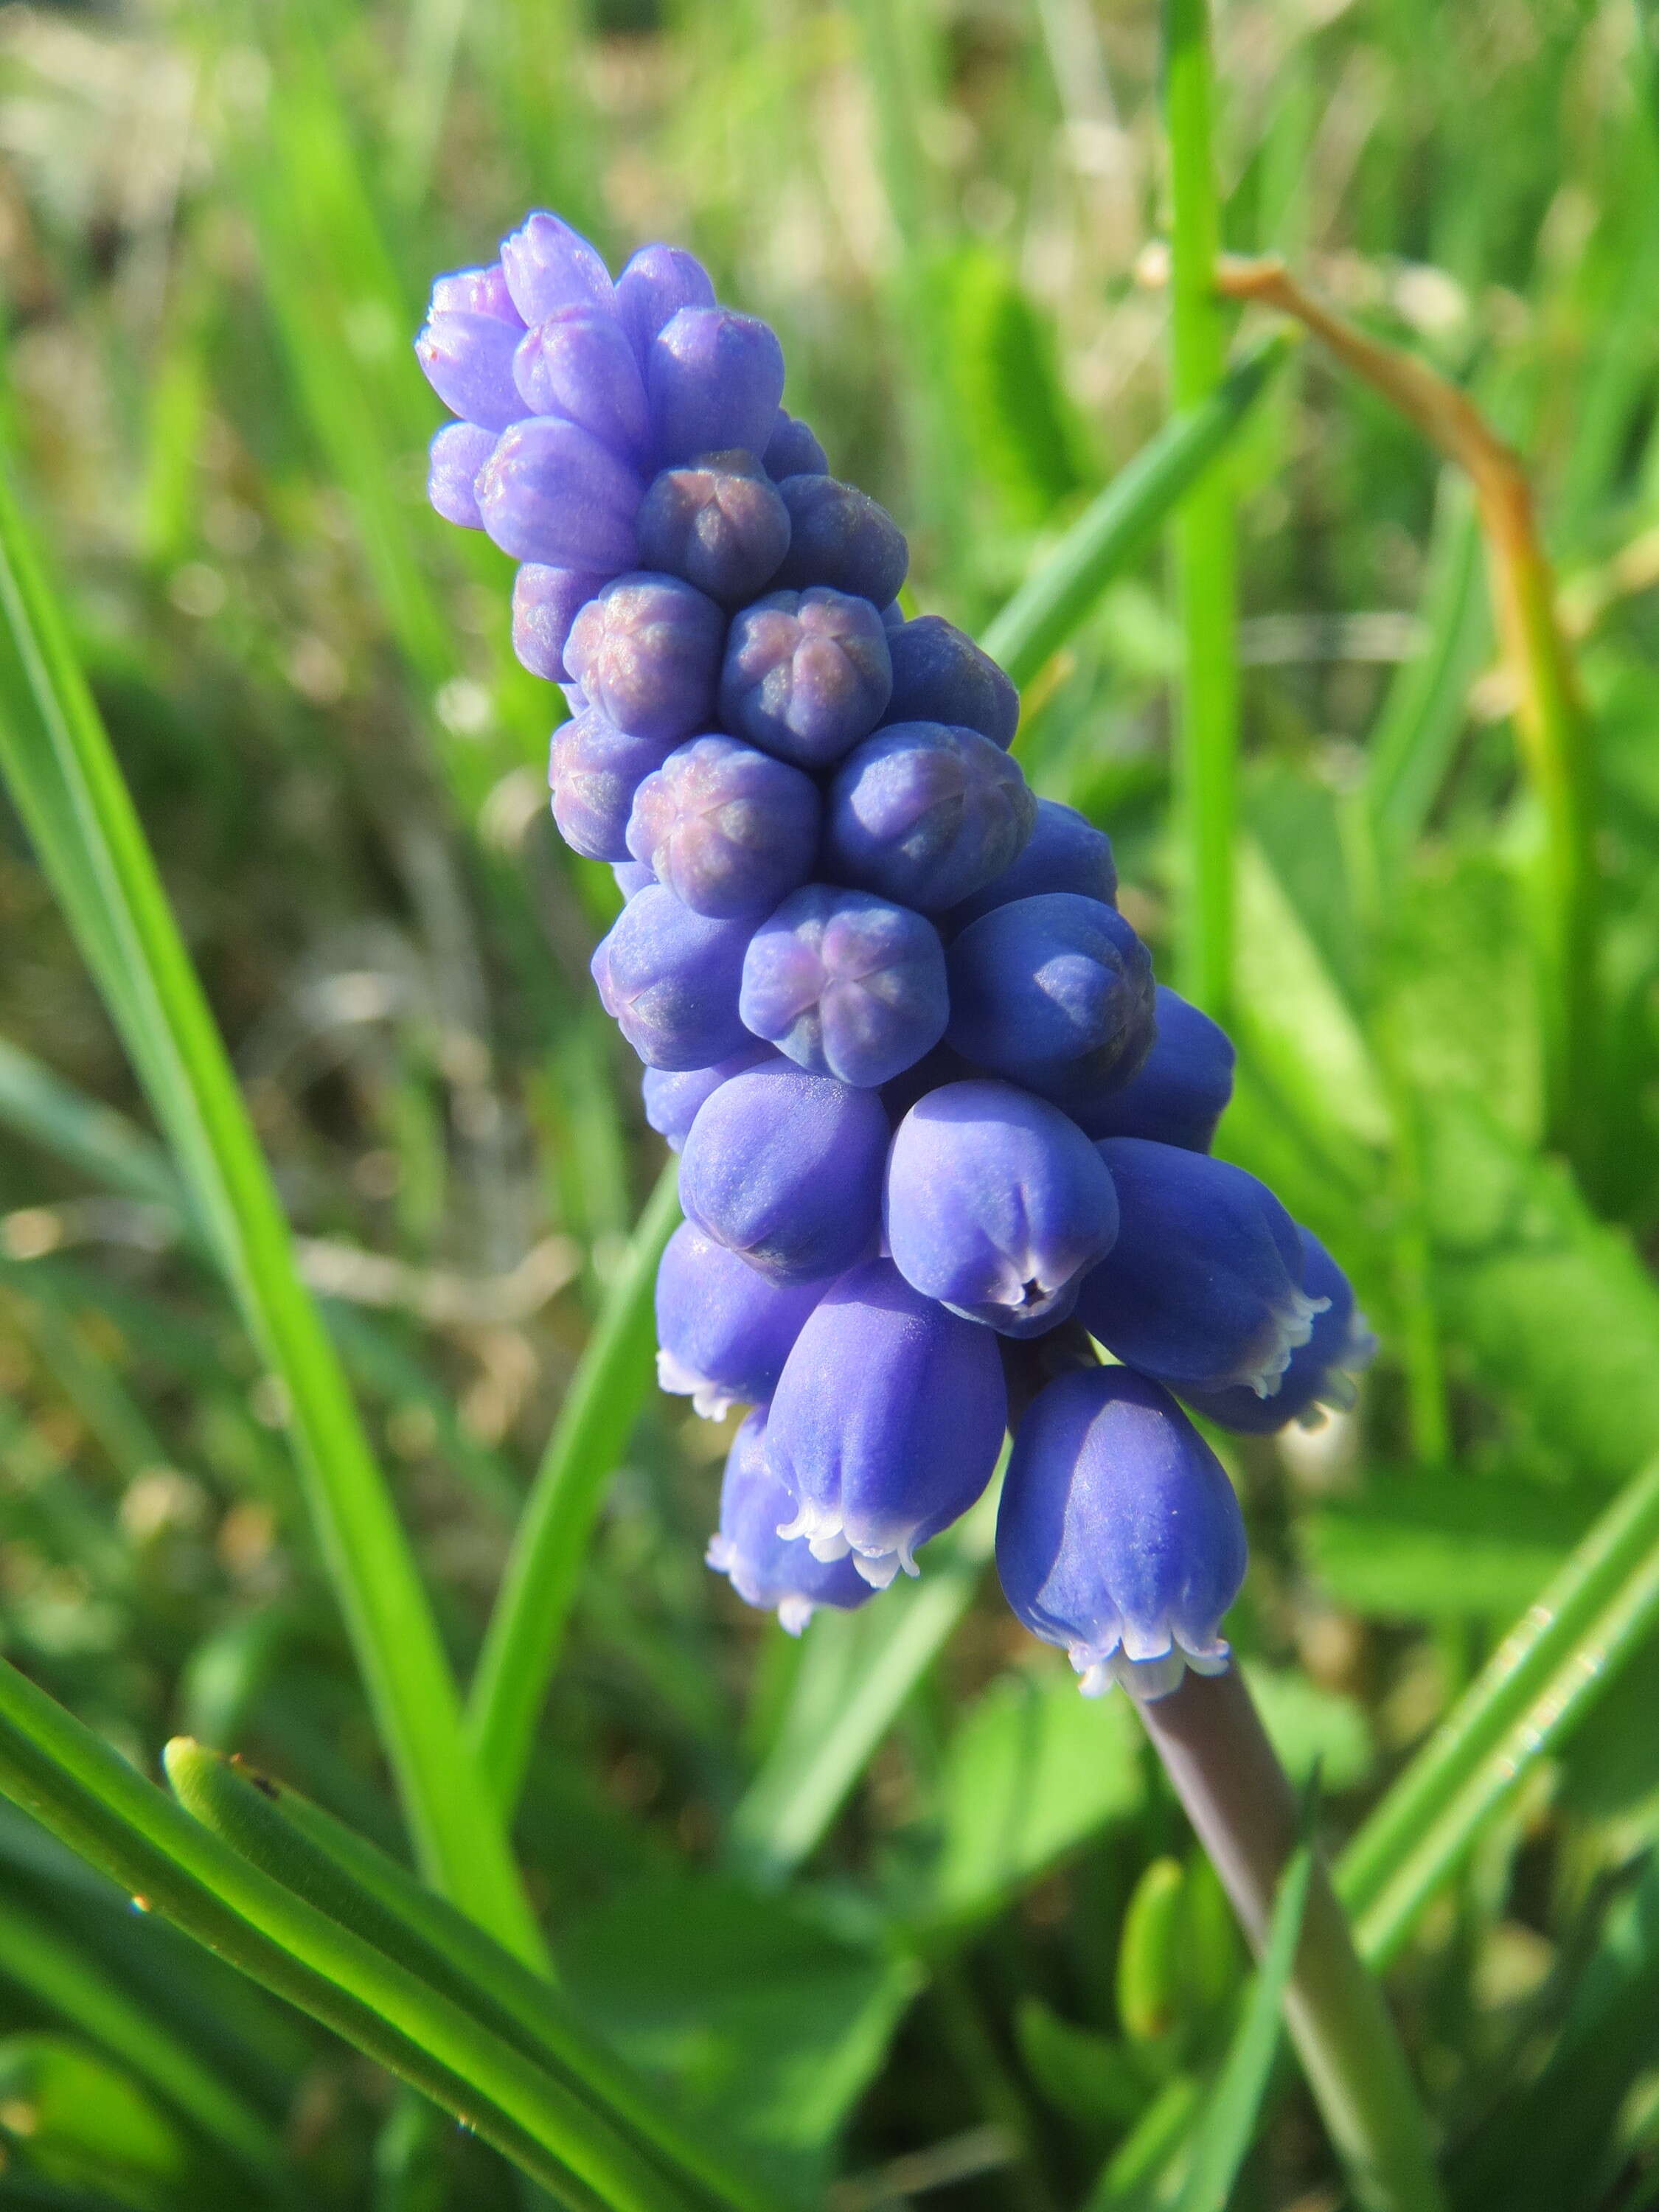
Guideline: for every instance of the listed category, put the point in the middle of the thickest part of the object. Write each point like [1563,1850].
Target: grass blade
[1206,757]
[527,1629]
[1115,528]
[88,1797]
[59,762]
[1537,1685]
[1222,2140]
[855,1673]
[356,1883]
[55,1973]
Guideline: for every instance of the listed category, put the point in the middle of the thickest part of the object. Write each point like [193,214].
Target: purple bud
[1183,1086]
[997,1204]
[785,1168]
[548,266]
[468,361]
[1321,1371]
[839,536]
[713,377]
[656,284]
[1056,992]
[647,650]
[579,365]
[723,1330]
[806,675]
[1064,852]
[631,877]
[719,523]
[729,830]
[476,292]
[926,814]
[552,493]
[1203,1288]
[765,1570]
[594,770]
[668,979]
[545,603]
[1119,1537]
[459,453]
[939,675]
[846,984]
[887,1424]
[672,1099]
[792,450]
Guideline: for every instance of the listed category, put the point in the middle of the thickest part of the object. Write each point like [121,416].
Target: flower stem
[1240,1802]
[1206,757]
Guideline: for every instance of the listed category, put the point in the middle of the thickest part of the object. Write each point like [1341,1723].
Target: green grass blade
[59,1976]
[527,1629]
[1223,2138]
[74,1786]
[855,1673]
[356,1884]
[1121,522]
[101,1144]
[1206,757]
[1536,1687]
[59,762]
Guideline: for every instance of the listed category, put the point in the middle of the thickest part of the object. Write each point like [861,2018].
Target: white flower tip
[709,1400]
[793,1612]
[877,1568]
[1152,1676]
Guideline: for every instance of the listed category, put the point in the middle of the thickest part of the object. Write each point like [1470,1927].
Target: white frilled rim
[1338,1388]
[1287,1331]
[1146,1667]
[708,1399]
[878,1560]
[794,1609]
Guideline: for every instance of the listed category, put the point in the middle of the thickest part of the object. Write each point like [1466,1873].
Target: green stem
[1206,736]
[1226,1773]
[521,1644]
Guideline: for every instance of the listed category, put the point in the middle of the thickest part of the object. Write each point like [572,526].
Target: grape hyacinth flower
[807,674]
[727,828]
[723,1330]
[997,1206]
[846,985]
[926,813]
[1203,1288]
[775,1573]
[881,991]
[785,1168]
[887,1423]
[1119,1537]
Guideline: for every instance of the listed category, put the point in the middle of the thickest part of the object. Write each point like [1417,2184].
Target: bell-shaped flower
[845,984]
[766,1570]
[547,265]
[1119,1537]
[669,978]
[578,364]
[723,1330]
[551,492]
[647,650]
[997,1204]
[887,1424]
[1064,851]
[839,536]
[806,675]
[1054,991]
[594,771]
[728,828]
[1183,1086]
[785,1168]
[1203,1289]
[459,455]
[939,675]
[1321,1373]
[926,814]
[672,1097]
[719,523]
[546,602]
[713,378]
[792,450]
[651,289]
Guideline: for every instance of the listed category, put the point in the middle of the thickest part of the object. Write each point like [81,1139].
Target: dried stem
[1550,717]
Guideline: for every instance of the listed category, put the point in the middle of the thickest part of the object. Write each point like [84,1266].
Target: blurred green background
[894,1904]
